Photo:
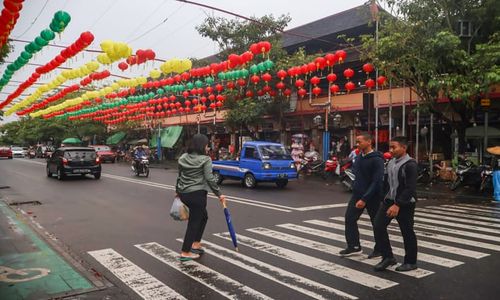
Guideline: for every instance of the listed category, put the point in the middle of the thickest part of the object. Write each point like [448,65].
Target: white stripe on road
[492,208]
[293,281]
[418,273]
[429,258]
[461,220]
[462,226]
[214,280]
[439,247]
[467,213]
[141,282]
[315,263]
[457,214]
[474,209]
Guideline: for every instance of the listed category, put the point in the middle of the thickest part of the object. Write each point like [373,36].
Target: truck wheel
[282,183]
[249,181]
[218,177]
[48,172]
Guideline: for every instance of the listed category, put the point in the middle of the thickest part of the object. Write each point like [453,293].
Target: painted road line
[214,280]
[468,213]
[336,270]
[461,226]
[293,281]
[474,209]
[236,199]
[454,219]
[424,244]
[418,273]
[456,214]
[141,282]
[429,258]
[492,208]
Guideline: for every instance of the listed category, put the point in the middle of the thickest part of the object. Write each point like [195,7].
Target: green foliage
[4,52]
[246,112]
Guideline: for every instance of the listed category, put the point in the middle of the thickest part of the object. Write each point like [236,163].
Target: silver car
[18,152]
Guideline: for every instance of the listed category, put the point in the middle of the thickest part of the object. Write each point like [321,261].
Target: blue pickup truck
[259,162]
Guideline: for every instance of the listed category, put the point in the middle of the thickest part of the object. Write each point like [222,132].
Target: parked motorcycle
[141,166]
[332,167]
[31,153]
[468,175]
[346,174]
[486,180]
[312,163]
[424,174]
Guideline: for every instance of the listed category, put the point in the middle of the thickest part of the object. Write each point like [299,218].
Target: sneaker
[374,254]
[406,267]
[198,251]
[191,256]
[350,251]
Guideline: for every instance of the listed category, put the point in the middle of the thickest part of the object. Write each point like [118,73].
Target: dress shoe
[406,267]
[385,263]
[350,251]
[374,254]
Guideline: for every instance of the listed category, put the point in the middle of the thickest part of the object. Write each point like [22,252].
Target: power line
[154,27]
[155,10]
[102,15]
[32,23]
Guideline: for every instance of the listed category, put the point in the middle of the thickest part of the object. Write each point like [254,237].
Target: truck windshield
[274,152]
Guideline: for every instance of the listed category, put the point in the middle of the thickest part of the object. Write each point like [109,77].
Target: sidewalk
[29,267]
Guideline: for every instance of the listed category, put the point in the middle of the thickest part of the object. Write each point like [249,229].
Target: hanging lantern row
[40,42]
[8,18]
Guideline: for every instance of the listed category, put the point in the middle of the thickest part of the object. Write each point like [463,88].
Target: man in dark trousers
[367,191]
[399,203]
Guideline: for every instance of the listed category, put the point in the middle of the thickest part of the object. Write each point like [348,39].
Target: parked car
[258,162]
[68,161]
[17,152]
[105,153]
[6,152]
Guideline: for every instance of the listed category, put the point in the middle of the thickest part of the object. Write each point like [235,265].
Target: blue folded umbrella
[230,227]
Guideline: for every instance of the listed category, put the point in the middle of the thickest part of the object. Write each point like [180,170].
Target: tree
[421,47]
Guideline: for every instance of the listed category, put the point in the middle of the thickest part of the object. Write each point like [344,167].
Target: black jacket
[369,172]
[407,189]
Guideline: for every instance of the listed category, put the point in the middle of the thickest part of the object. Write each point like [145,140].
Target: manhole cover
[25,203]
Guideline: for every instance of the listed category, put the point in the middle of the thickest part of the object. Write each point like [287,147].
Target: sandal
[198,250]
[190,257]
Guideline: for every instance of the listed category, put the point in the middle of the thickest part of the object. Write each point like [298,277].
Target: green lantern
[221,76]
[54,26]
[268,64]
[160,91]
[254,69]
[47,34]
[41,42]
[209,80]
[26,55]
[244,73]
[189,85]
[62,16]
[29,48]
[198,83]
[181,88]
[151,94]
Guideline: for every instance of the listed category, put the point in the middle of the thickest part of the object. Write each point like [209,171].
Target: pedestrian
[193,183]
[399,203]
[367,193]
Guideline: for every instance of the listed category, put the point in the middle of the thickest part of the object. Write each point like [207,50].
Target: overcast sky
[128,20]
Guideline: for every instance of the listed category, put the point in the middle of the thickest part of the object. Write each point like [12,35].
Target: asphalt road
[120,226]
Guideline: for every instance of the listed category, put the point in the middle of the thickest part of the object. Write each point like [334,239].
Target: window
[80,154]
[275,152]
[251,153]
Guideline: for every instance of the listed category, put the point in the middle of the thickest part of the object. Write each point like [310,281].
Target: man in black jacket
[366,192]
[399,203]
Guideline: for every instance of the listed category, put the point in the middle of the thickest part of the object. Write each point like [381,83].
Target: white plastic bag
[179,211]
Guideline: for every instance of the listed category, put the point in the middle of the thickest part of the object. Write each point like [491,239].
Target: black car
[67,161]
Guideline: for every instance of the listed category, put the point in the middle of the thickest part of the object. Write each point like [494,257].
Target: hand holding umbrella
[229,222]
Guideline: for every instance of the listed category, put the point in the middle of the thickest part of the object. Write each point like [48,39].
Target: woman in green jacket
[193,184]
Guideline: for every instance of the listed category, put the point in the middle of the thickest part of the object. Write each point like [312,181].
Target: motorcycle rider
[139,152]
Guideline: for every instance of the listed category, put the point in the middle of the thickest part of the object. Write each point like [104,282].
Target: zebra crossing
[303,258]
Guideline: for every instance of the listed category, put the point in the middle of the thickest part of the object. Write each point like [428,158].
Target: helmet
[387,155]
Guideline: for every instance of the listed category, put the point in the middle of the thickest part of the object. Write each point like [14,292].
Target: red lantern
[187,103]
[203,100]
[87,37]
[287,92]
[211,97]
[220,98]
[280,85]
[212,105]
[316,91]
[381,80]
[123,66]
[241,82]
[348,73]
[341,55]
[230,85]
[254,48]
[234,60]
[267,77]
[320,63]
[368,68]
[330,59]
[311,67]
[249,94]
[219,88]
[281,74]
[299,83]
[334,89]
[247,56]
[331,77]
[370,83]
[264,46]
[302,92]
[315,80]
[255,79]
[349,86]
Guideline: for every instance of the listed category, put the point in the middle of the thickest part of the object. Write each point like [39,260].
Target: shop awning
[115,138]
[478,132]
[169,137]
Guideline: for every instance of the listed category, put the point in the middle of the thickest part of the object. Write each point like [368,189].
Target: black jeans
[352,215]
[198,217]
[405,221]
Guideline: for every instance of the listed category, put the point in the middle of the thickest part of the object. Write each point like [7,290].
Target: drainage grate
[25,203]
[4,187]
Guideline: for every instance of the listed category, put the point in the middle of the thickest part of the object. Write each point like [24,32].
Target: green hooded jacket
[195,174]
